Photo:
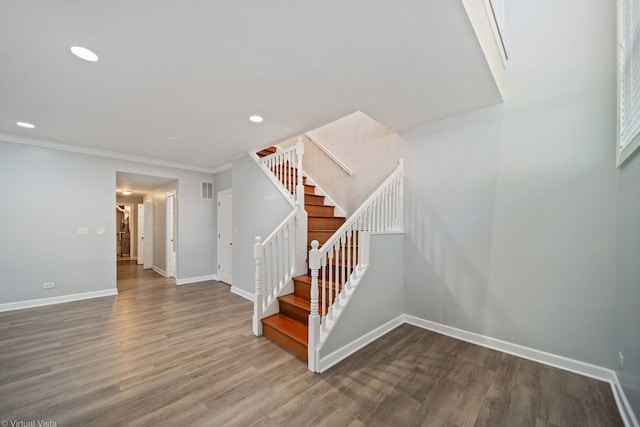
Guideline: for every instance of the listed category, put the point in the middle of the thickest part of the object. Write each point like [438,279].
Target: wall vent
[207,190]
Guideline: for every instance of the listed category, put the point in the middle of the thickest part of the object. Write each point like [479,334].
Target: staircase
[289,327]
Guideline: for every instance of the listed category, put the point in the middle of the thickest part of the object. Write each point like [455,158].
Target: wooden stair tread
[267,151]
[296,300]
[288,326]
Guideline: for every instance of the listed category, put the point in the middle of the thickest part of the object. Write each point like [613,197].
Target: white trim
[197,279]
[104,153]
[328,152]
[626,413]
[160,271]
[342,353]
[57,300]
[242,293]
[561,362]
[171,220]
[625,152]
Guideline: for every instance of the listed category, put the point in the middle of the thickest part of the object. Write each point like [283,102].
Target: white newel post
[314,318]
[258,254]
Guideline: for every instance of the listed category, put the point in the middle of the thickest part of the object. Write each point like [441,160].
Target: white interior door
[140,233]
[148,235]
[171,235]
[225,236]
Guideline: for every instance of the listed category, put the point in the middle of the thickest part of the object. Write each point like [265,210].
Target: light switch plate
[83,231]
[102,231]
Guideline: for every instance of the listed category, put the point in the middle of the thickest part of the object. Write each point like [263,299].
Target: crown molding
[15,139]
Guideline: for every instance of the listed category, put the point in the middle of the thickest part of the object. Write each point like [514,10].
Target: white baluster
[314,319]
[258,255]
[332,279]
[323,283]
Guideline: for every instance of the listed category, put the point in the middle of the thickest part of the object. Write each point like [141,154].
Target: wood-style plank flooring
[160,354]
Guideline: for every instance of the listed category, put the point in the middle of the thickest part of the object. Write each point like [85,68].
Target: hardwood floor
[160,354]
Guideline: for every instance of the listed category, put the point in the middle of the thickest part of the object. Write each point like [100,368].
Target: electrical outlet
[48,285]
[621,359]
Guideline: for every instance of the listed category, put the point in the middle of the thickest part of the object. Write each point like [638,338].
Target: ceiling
[177,81]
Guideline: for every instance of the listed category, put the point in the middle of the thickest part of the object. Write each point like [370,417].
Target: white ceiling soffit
[177,81]
[141,183]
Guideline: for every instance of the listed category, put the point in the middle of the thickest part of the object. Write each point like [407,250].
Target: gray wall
[379,297]
[628,290]
[222,181]
[258,208]
[48,194]
[511,210]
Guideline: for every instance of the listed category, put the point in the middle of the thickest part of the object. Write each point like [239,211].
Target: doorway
[172,228]
[225,236]
[146,195]
[125,229]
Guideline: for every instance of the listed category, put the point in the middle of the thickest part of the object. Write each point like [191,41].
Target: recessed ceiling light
[127,192]
[25,125]
[256,119]
[84,53]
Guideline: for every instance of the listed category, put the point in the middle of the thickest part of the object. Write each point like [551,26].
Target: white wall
[368,148]
[258,208]
[49,194]
[628,289]
[511,210]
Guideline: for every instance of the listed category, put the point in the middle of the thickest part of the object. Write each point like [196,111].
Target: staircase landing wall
[378,300]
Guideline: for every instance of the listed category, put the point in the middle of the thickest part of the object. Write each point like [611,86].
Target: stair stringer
[373,300]
[328,200]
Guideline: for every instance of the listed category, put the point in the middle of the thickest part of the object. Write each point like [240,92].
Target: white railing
[336,267]
[286,167]
[283,254]
[275,267]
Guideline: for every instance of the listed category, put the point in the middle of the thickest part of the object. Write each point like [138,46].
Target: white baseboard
[628,417]
[560,362]
[342,353]
[160,271]
[189,280]
[243,293]
[539,356]
[56,300]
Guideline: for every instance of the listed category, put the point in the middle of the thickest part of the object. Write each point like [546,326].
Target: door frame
[139,240]
[172,233]
[148,234]
[219,246]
